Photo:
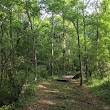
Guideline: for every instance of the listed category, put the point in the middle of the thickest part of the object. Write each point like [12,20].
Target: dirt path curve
[54,95]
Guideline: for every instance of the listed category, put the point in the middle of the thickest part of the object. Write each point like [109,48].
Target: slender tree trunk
[34,53]
[12,40]
[79,47]
[11,65]
[1,71]
[85,47]
[52,46]
[97,38]
[69,68]
[64,45]
[34,41]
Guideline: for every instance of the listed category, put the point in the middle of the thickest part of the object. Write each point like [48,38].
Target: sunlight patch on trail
[48,102]
[42,86]
[51,91]
[54,95]
[47,83]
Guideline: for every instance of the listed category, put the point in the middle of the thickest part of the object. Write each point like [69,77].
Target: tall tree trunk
[85,47]
[12,40]
[97,36]
[52,46]
[69,68]
[34,41]
[11,64]
[1,71]
[64,45]
[97,40]
[35,55]
[79,47]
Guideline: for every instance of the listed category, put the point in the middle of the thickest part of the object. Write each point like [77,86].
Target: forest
[42,40]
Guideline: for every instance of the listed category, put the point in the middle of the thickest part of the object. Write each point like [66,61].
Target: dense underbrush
[26,95]
[101,87]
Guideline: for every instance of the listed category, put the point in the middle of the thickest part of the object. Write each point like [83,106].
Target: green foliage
[102,91]
[101,87]
[7,107]
[7,94]
[33,43]
[42,72]
[27,94]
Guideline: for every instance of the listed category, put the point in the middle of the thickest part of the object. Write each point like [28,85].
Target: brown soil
[54,95]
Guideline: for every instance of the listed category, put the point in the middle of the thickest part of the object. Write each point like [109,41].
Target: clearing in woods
[55,95]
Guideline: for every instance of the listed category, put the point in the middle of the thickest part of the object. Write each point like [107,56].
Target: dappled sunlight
[42,86]
[74,83]
[55,95]
[47,83]
[48,102]
[51,91]
[68,76]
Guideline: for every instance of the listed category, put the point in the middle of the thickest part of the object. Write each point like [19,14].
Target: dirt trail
[54,95]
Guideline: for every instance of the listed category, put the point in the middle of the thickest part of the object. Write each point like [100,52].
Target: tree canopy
[43,38]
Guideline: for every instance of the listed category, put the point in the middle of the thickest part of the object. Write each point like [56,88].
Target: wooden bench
[67,78]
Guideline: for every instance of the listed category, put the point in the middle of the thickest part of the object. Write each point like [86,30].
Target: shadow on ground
[54,95]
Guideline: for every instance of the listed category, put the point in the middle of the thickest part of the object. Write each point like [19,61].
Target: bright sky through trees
[46,39]
[90,8]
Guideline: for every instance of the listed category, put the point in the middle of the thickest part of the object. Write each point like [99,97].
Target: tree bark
[12,40]
[1,71]
[85,47]
[79,52]
[64,45]
[97,37]
[10,65]
[52,46]
[34,41]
